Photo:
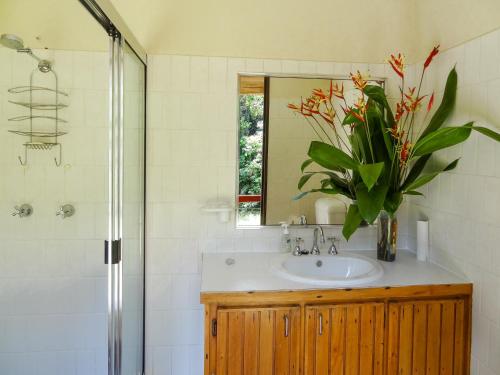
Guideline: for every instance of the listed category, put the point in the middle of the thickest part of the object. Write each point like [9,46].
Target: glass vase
[387,236]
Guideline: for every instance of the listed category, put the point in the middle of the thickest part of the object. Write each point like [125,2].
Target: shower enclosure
[72,182]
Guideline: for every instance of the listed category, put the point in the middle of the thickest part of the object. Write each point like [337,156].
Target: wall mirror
[273,143]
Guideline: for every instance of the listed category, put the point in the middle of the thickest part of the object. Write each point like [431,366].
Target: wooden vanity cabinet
[379,331]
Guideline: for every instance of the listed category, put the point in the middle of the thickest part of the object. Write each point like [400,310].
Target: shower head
[14,42]
[11,41]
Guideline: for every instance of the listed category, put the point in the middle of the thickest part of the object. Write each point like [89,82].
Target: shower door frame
[119,35]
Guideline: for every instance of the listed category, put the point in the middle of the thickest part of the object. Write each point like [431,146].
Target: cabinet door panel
[258,341]
[426,337]
[344,339]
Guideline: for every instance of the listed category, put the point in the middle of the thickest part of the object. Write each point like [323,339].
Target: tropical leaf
[370,173]
[442,138]
[377,94]
[352,221]
[487,132]
[303,180]
[330,157]
[393,201]
[422,180]
[305,164]
[370,202]
[413,192]
[416,170]
[446,106]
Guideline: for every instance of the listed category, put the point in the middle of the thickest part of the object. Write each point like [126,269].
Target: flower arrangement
[376,154]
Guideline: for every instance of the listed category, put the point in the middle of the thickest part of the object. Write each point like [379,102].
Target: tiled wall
[53,298]
[192,159]
[463,206]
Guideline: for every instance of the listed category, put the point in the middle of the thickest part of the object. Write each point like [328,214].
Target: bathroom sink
[329,270]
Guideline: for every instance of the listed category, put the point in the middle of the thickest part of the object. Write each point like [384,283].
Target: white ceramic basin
[329,270]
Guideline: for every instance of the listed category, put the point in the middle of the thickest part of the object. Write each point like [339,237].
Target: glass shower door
[133,212]
[125,245]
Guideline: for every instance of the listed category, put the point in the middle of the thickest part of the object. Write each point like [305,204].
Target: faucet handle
[298,246]
[332,250]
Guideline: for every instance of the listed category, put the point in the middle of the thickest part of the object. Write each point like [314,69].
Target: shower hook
[25,157]
[58,163]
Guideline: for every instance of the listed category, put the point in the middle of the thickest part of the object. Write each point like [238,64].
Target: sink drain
[319,263]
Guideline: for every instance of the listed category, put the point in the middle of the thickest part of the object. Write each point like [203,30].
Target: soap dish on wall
[221,209]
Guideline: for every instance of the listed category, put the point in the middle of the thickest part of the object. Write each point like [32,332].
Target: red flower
[359,81]
[405,152]
[397,64]
[431,102]
[433,54]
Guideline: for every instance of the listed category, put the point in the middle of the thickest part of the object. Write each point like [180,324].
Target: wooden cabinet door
[258,341]
[346,339]
[427,337]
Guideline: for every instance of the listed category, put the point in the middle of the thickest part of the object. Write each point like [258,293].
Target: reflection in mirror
[273,143]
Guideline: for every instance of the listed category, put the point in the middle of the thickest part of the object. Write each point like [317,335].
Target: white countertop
[253,272]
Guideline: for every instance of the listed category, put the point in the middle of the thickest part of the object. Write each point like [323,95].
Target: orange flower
[395,132]
[405,152]
[431,103]
[328,115]
[337,90]
[401,108]
[359,80]
[293,107]
[433,54]
[414,103]
[397,63]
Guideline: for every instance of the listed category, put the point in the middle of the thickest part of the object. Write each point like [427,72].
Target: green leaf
[392,202]
[330,157]
[487,132]
[442,138]
[377,94]
[422,180]
[370,202]
[305,164]
[412,192]
[352,221]
[415,170]
[370,173]
[446,106]
[303,180]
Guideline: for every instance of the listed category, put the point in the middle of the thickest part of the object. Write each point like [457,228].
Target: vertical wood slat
[459,339]
[352,340]
[433,338]
[322,357]
[406,339]
[337,345]
[367,337]
[222,335]
[251,343]
[447,338]
[379,340]
[266,343]
[236,337]
[393,340]
[310,341]
[419,338]
[295,340]
[282,344]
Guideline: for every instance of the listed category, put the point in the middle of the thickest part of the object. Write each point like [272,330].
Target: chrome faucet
[332,250]
[298,247]
[317,231]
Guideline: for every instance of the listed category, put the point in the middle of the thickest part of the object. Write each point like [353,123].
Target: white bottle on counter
[286,241]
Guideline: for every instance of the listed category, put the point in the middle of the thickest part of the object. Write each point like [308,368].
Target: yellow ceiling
[333,30]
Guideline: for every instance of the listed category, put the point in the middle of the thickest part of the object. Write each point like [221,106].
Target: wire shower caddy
[40,139]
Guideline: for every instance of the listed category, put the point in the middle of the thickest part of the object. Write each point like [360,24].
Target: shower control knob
[66,210]
[24,210]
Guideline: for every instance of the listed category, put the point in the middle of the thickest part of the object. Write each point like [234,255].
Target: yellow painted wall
[452,22]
